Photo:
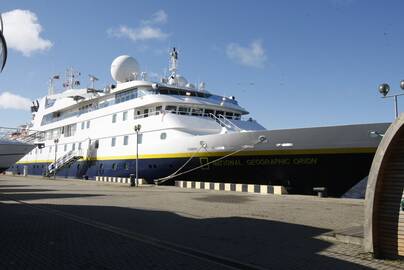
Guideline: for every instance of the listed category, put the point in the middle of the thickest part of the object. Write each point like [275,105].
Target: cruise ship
[170,130]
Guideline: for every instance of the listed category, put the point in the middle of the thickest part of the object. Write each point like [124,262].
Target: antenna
[173,62]
[70,81]
[51,89]
[92,79]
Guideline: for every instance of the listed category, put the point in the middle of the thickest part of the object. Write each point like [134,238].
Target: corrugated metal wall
[389,215]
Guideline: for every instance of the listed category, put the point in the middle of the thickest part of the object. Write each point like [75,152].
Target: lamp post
[137,130]
[56,141]
[384,89]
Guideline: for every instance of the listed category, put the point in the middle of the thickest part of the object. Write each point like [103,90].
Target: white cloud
[139,34]
[22,32]
[159,17]
[146,31]
[253,56]
[11,101]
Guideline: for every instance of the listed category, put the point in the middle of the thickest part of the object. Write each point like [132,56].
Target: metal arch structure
[3,46]
[384,203]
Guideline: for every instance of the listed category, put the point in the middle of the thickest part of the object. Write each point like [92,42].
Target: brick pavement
[270,232]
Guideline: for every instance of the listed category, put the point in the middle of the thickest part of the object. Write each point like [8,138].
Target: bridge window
[113,142]
[125,95]
[237,116]
[171,108]
[124,116]
[229,115]
[65,147]
[88,124]
[208,112]
[114,118]
[219,113]
[183,110]
[73,146]
[197,111]
[79,147]
[159,109]
[82,125]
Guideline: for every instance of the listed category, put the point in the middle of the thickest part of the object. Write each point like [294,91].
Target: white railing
[229,123]
[21,135]
[64,160]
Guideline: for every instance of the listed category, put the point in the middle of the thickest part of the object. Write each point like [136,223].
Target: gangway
[63,161]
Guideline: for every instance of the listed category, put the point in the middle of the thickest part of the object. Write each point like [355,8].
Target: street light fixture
[137,130]
[384,89]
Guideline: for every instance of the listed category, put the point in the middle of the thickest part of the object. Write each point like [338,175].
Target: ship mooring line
[177,248]
[163,179]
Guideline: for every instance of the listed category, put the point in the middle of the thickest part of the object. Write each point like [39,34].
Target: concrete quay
[76,224]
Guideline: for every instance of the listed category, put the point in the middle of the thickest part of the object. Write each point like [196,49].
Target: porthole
[154,166]
[163,136]
[150,166]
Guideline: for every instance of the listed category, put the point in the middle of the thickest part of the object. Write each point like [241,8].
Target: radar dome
[123,68]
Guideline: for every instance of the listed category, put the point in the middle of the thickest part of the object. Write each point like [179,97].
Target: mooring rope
[261,139]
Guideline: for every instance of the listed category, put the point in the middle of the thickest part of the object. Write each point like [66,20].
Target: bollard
[321,191]
[132,180]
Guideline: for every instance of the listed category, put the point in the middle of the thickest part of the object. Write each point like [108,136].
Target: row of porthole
[101,166]
[114,166]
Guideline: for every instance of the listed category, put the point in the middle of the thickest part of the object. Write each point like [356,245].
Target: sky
[289,63]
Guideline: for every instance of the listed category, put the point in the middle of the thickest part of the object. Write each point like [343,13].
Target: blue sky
[290,63]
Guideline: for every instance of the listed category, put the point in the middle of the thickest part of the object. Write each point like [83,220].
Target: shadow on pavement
[16,190]
[35,239]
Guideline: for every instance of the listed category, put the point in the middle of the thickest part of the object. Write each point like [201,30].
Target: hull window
[125,140]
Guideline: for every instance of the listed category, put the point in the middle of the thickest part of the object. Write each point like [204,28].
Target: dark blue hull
[298,173]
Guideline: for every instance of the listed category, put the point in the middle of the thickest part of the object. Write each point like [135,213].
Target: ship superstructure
[183,132]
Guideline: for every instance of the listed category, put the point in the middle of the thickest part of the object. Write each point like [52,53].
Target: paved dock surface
[72,224]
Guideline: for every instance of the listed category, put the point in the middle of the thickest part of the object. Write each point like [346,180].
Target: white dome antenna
[123,68]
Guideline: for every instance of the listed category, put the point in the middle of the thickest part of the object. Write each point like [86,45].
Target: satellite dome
[123,67]
[181,81]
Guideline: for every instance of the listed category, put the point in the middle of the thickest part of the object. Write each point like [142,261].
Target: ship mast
[173,62]
[71,79]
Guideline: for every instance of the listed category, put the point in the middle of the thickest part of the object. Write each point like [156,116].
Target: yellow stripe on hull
[243,153]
